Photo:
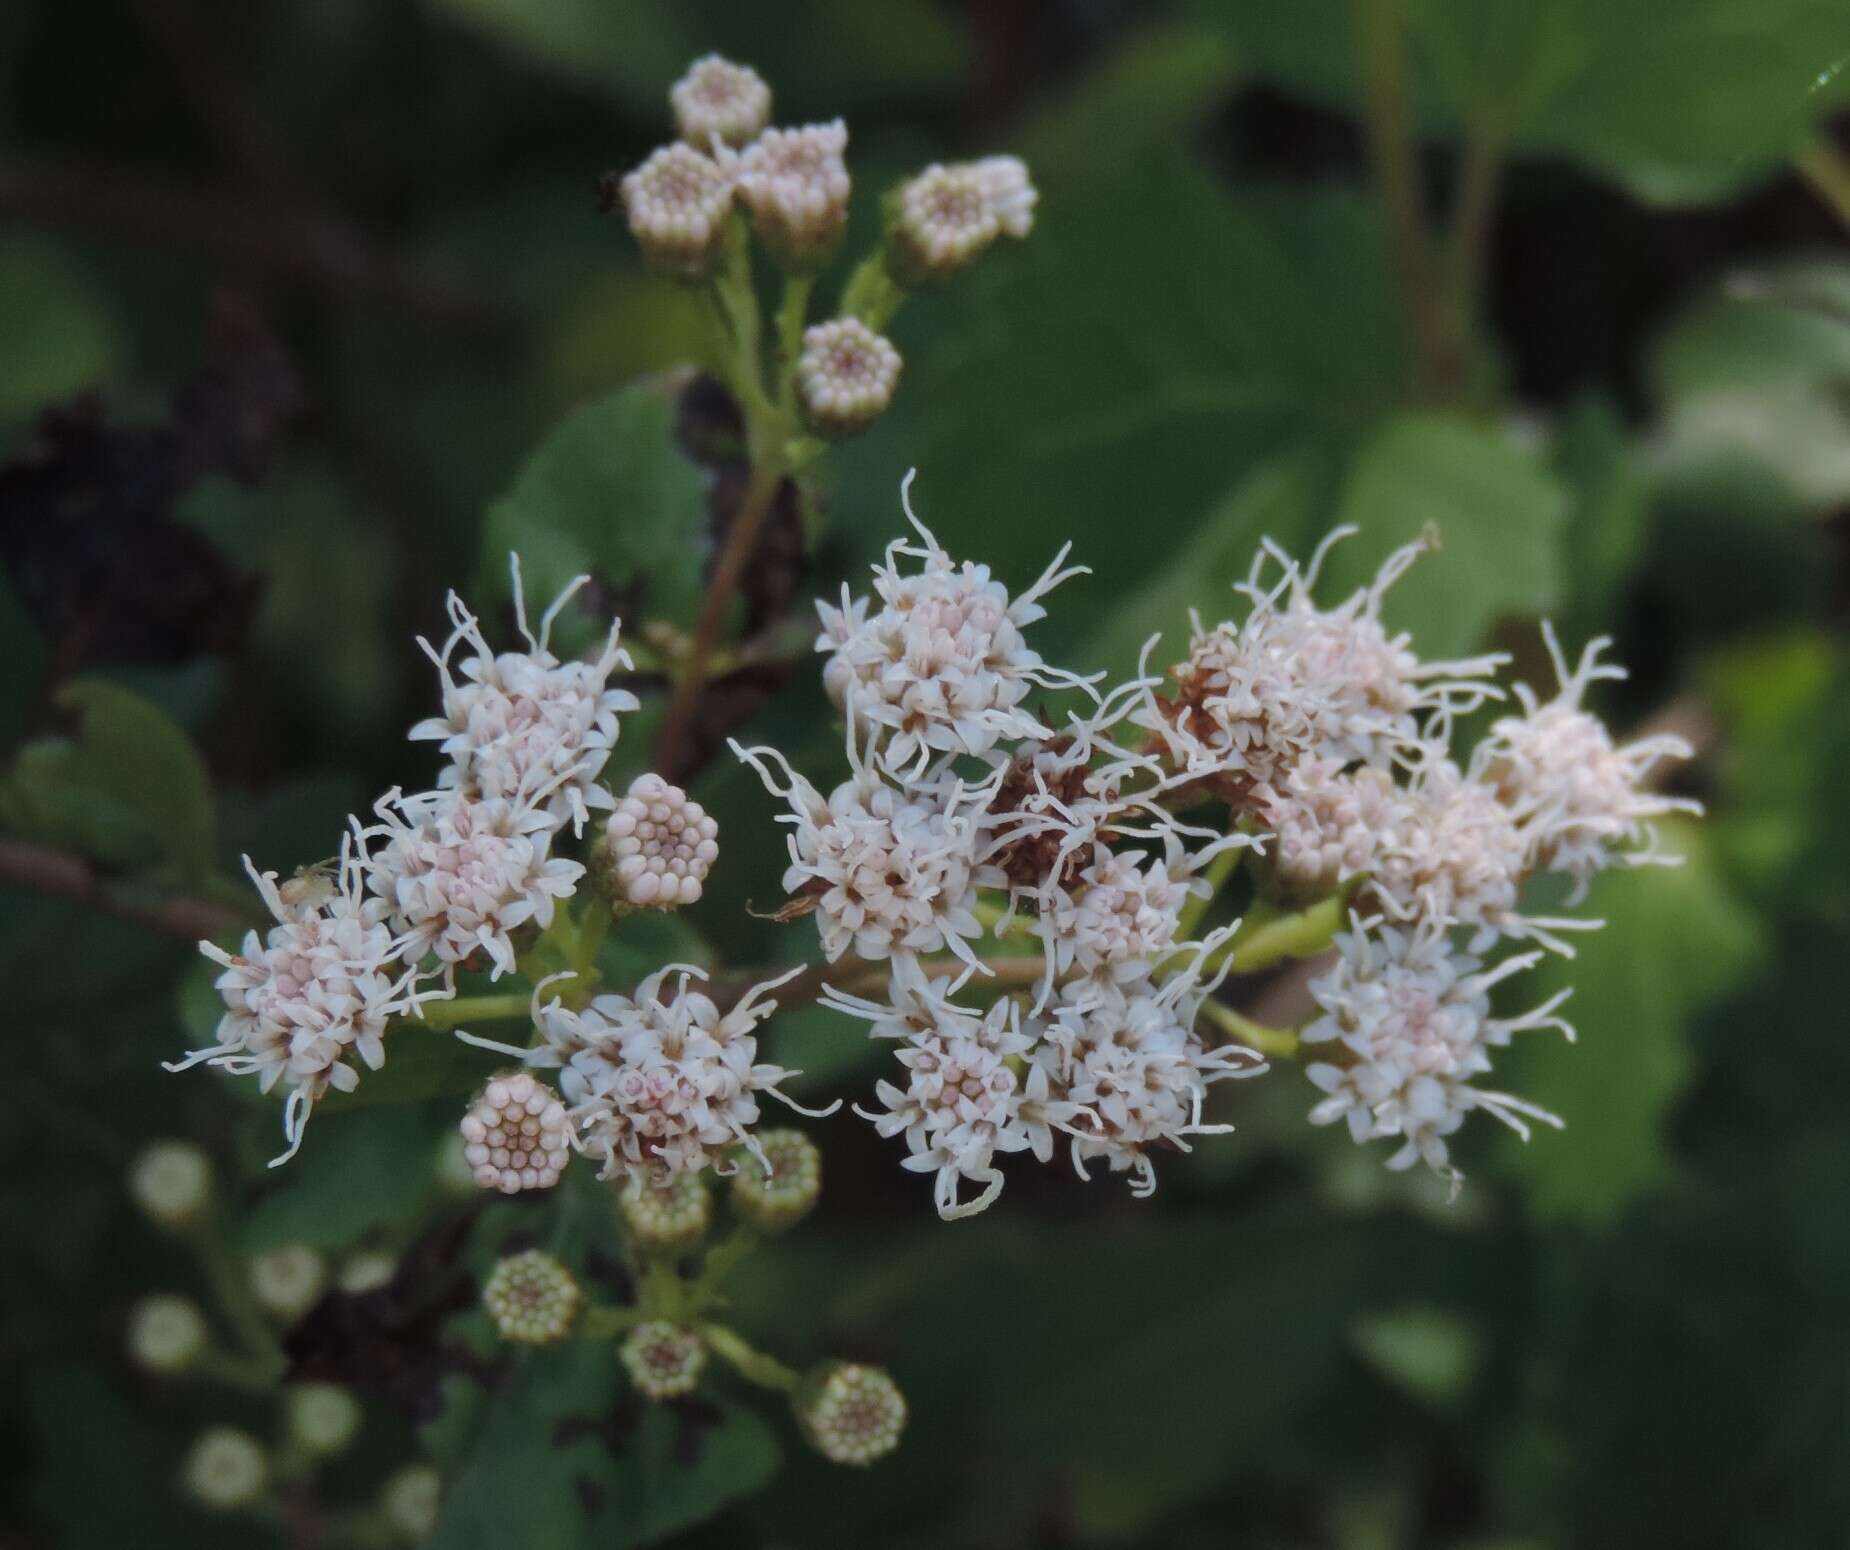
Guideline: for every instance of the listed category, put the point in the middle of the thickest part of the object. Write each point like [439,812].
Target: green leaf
[1675,940]
[1498,512]
[130,790]
[1607,513]
[1430,1352]
[59,333]
[607,493]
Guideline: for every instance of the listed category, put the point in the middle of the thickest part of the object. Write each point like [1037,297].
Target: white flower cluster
[446,878]
[947,215]
[956,787]
[1339,741]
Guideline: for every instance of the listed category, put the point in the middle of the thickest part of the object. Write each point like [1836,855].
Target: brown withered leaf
[87,533]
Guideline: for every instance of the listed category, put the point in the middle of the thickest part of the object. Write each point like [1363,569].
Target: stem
[235,1372]
[1281,1043]
[40,869]
[234,1299]
[1388,122]
[1219,870]
[607,1323]
[872,294]
[752,1365]
[1480,167]
[1826,171]
[445,1015]
[741,540]
[722,1259]
[1302,935]
[791,318]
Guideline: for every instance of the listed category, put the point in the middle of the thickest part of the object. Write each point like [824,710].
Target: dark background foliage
[290,293]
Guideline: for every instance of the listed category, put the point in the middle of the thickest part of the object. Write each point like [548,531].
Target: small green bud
[288,1281]
[663,1359]
[172,1183]
[532,1298]
[225,1469]
[323,1417]
[165,1334]
[410,1501]
[667,1218]
[786,1194]
[850,1414]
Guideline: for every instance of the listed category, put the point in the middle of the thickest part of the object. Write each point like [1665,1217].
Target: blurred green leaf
[609,494]
[1430,1352]
[57,324]
[129,790]
[1607,512]
[1498,512]
[1675,940]
[356,1171]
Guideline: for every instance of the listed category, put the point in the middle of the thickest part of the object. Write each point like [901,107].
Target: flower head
[678,202]
[309,996]
[718,100]
[515,1135]
[795,183]
[172,1182]
[225,1469]
[663,1360]
[532,1298]
[845,376]
[1328,824]
[1408,1023]
[659,844]
[523,726]
[288,1281]
[947,215]
[165,1334]
[669,1216]
[851,1414]
[783,1189]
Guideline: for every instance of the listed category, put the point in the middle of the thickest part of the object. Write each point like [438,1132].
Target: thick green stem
[236,1372]
[608,1323]
[1274,1043]
[1219,870]
[792,317]
[233,1295]
[751,1364]
[445,1015]
[722,1259]
[872,294]
[1263,942]
[1480,166]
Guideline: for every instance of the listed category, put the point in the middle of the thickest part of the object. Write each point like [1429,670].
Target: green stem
[445,1015]
[233,1295]
[872,294]
[1480,166]
[792,316]
[722,1259]
[1826,171]
[1260,943]
[752,1365]
[608,1323]
[1276,1043]
[235,1372]
[1388,123]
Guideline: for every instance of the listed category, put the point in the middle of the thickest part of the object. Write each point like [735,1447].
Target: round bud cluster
[532,1298]
[663,1360]
[718,100]
[944,222]
[795,183]
[845,376]
[669,1216]
[787,1193]
[515,1135]
[165,1334]
[660,845]
[323,1418]
[225,1469]
[172,1182]
[677,203]
[410,1500]
[851,1414]
[287,1281]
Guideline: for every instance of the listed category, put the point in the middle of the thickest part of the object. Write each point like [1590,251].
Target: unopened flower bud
[287,1281]
[225,1469]
[788,1193]
[165,1334]
[677,202]
[667,1218]
[718,100]
[323,1417]
[849,1413]
[532,1298]
[515,1134]
[845,377]
[659,845]
[795,184]
[1010,192]
[367,1273]
[664,1360]
[947,215]
[410,1501]
[172,1182]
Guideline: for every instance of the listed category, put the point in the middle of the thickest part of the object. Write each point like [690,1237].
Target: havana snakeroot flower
[311,995]
[718,100]
[678,203]
[947,215]
[851,1414]
[781,1191]
[523,726]
[845,376]
[225,1469]
[668,1217]
[1408,1023]
[515,1135]
[795,183]
[663,1360]
[532,1298]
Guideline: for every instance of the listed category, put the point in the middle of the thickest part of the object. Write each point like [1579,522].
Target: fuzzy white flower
[963,1102]
[1327,824]
[1009,192]
[718,100]
[1411,1021]
[1580,798]
[845,376]
[310,995]
[523,725]
[660,1082]
[941,666]
[460,876]
[795,183]
[1124,914]
[1129,1058]
[678,203]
